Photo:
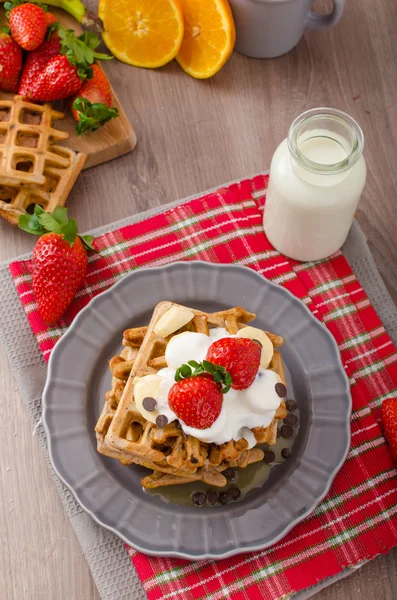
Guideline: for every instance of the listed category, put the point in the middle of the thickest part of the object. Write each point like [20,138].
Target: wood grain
[195,135]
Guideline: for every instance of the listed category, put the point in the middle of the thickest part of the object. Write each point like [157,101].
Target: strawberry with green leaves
[92,107]
[59,261]
[63,75]
[28,24]
[10,63]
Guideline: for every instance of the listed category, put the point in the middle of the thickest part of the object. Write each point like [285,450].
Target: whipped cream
[241,411]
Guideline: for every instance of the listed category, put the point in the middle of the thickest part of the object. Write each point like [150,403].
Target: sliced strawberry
[389,417]
[28,24]
[58,80]
[197,401]
[36,61]
[10,63]
[239,356]
[92,106]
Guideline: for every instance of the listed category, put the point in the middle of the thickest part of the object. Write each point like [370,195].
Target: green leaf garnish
[194,369]
[193,363]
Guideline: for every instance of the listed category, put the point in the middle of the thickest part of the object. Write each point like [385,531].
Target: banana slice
[147,387]
[175,318]
[253,333]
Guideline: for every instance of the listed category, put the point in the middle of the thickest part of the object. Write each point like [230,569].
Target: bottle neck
[324,145]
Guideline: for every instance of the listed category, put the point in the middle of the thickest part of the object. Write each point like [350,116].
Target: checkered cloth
[358,518]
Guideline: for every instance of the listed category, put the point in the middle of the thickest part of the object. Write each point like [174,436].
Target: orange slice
[209,37]
[144,33]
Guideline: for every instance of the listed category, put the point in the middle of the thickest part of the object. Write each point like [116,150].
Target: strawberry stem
[80,51]
[42,222]
[92,115]
[194,368]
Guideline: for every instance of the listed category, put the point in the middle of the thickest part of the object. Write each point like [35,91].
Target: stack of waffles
[175,458]
[34,168]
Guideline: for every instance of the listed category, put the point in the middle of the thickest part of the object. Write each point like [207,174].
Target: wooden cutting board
[114,139]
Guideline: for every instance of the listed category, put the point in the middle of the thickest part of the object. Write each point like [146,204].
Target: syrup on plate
[253,476]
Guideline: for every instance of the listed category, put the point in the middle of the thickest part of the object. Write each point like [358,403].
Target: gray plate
[78,377]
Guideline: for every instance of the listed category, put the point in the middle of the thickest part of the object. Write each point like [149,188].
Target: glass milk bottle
[317,175]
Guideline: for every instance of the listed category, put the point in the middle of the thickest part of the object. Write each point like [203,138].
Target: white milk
[316,179]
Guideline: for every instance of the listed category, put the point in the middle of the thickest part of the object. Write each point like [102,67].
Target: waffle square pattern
[34,169]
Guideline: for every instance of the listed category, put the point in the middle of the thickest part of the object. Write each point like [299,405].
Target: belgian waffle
[16,200]
[34,169]
[175,458]
[26,138]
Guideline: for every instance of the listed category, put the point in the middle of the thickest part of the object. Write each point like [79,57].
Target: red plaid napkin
[358,518]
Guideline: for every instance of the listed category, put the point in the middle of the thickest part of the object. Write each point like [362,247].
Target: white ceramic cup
[269,28]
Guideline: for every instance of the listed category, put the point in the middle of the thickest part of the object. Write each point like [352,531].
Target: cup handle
[316,21]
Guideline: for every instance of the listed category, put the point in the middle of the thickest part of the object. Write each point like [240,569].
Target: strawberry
[59,261]
[92,106]
[389,416]
[62,75]
[50,18]
[197,401]
[37,60]
[239,356]
[58,80]
[28,24]
[10,63]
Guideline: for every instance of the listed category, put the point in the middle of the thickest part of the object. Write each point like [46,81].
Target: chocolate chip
[198,498]
[291,419]
[161,421]
[235,493]
[291,405]
[193,460]
[281,390]
[286,452]
[287,431]
[230,474]
[149,404]
[212,497]
[278,432]
[270,457]
[258,342]
[225,497]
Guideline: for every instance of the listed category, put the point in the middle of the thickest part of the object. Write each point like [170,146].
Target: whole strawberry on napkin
[59,260]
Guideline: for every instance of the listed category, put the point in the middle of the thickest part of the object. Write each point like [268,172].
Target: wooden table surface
[193,135]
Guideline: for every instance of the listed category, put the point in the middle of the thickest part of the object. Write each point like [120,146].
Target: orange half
[209,37]
[143,33]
